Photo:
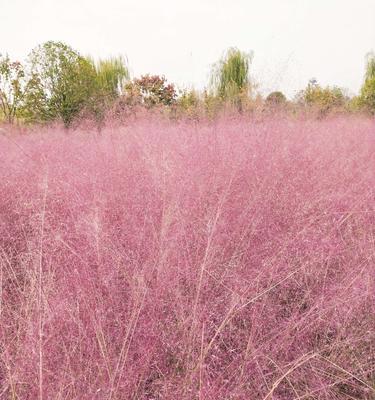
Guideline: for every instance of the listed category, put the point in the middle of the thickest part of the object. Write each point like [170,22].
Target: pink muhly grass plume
[231,259]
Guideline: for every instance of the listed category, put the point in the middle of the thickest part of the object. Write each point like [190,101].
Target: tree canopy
[231,74]
[67,81]
[367,95]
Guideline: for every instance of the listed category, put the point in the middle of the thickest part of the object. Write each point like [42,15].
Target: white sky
[292,40]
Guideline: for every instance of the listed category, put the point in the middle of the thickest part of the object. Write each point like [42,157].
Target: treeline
[57,83]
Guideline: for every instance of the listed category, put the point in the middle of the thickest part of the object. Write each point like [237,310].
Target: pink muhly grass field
[219,260]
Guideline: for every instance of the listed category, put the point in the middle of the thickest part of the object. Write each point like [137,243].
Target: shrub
[323,100]
[276,99]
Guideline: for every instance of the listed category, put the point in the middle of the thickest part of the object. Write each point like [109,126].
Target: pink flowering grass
[213,261]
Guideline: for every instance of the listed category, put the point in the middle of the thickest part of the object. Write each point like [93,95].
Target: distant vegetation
[367,96]
[151,91]
[230,78]
[57,83]
[322,99]
[276,98]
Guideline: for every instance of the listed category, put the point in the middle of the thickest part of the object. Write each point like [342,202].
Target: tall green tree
[112,74]
[230,76]
[66,82]
[367,95]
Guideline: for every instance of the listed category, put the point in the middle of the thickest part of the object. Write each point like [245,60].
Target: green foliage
[13,86]
[354,104]
[112,73]
[188,100]
[66,83]
[151,90]
[212,104]
[230,77]
[110,77]
[367,95]
[367,98]
[323,99]
[190,103]
[370,66]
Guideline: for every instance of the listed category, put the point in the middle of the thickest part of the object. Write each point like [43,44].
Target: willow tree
[230,76]
[112,73]
[367,95]
[370,66]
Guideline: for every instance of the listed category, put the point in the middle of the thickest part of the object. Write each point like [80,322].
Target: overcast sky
[292,40]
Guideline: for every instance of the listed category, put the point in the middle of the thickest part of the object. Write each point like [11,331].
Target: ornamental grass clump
[231,259]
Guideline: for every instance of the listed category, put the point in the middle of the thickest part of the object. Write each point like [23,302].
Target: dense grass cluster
[223,260]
